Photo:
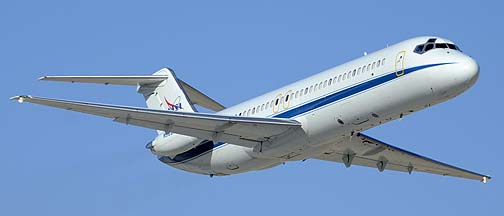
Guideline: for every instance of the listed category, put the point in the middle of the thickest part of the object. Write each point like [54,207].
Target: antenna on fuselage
[365,53]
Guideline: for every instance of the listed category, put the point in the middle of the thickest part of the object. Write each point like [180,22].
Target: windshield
[431,44]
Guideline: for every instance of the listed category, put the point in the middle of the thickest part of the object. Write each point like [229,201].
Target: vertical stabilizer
[167,94]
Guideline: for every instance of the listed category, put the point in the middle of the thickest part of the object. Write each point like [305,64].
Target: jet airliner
[321,117]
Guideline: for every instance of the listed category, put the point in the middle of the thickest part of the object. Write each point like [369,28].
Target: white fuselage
[333,105]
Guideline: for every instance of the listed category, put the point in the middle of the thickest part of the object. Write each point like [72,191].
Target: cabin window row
[340,78]
[313,88]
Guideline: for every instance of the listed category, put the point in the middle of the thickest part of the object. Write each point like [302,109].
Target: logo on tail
[175,106]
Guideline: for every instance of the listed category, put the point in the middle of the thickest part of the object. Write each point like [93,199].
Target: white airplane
[320,117]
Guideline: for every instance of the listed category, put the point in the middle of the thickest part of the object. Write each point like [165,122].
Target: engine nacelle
[171,145]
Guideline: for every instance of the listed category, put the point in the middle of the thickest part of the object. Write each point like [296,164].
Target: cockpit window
[431,44]
[428,47]
[441,45]
[456,47]
[419,48]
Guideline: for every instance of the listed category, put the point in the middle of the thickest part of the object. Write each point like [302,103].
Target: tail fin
[162,90]
[163,84]
[167,94]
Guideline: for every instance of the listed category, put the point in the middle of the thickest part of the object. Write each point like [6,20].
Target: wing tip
[485,179]
[20,98]
[42,78]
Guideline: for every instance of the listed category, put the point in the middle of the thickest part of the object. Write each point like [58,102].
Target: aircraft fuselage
[336,104]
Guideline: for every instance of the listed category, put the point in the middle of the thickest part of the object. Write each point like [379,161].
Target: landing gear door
[399,63]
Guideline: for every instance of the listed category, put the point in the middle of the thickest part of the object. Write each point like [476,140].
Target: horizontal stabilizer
[114,80]
[195,96]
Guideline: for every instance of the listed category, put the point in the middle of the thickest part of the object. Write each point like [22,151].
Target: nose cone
[469,70]
[458,77]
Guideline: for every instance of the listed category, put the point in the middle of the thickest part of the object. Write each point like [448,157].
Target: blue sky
[55,162]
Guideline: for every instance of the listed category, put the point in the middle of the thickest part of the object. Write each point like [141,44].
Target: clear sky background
[55,162]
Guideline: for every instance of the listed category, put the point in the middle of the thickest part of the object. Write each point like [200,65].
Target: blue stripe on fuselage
[208,146]
[347,92]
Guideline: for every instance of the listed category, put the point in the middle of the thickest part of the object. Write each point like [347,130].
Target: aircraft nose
[470,70]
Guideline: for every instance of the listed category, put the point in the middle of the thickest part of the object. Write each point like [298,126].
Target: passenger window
[311,89]
[383,62]
[262,107]
[344,76]
[239,114]
[325,83]
[358,71]
[368,67]
[339,78]
[330,81]
[253,111]
[267,105]
[315,87]
[287,98]
[297,94]
[306,91]
[379,62]
[354,72]
[248,113]
[320,85]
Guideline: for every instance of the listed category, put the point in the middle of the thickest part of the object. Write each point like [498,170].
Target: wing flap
[245,131]
[370,152]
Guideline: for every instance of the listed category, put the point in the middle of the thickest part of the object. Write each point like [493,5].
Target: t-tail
[167,94]
[161,90]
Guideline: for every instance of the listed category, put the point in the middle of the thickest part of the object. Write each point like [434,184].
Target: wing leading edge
[244,131]
[367,151]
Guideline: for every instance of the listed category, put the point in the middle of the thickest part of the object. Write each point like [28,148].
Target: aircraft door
[277,103]
[399,63]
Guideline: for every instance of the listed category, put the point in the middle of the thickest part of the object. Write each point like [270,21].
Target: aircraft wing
[366,151]
[244,131]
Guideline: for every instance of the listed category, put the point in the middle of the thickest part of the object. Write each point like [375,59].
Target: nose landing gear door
[399,63]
